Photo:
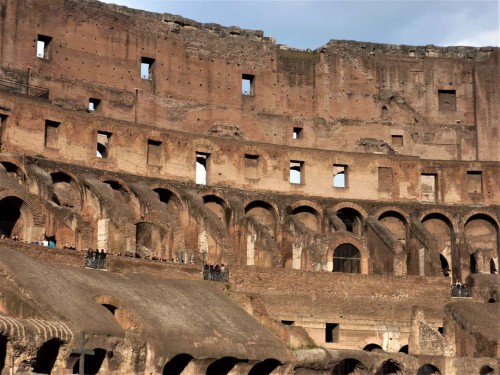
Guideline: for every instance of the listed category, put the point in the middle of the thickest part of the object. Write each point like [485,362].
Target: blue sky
[312,23]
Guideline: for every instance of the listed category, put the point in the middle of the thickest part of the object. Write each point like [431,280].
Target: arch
[480,213]
[265,367]
[396,223]
[46,356]
[441,228]
[482,239]
[170,199]
[372,347]
[428,369]
[16,218]
[66,190]
[396,210]
[347,259]
[14,171]
[404,349]
[352,219]
[354,206]
[92,363]
[221,366]
[148,239]
[304,202]
[265,212]
[219,207]
[177,364]
[120,191]
[389,367]
[349,366]
[309,217]
[486,370]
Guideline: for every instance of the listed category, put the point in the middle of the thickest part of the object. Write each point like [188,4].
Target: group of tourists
[460,290]
[96,259]
[215,272]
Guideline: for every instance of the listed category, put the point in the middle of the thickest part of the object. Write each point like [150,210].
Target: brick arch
[387,209]
[118,180]
[26,209]
[78,184]
[348,239]
[21,168]
[352,205]
[263,155]
[173,190]
[452,221]
[228,211]
[473,213]
[307,203]
[274,206]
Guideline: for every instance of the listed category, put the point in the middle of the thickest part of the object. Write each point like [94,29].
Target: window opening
[103,139]
[296,172]
[428,188]
[397,140]
[339,175]
[94,104]
[252,166]
[346,258]
[474,182]
[447,100]
[297,133]
[147,68]
[332,332]
[201,167]
[42,46]
[247,83]
[52,134]
[154,153]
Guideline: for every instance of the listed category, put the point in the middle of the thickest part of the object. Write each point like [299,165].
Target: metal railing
[216,275]
[21,88]
[460,291]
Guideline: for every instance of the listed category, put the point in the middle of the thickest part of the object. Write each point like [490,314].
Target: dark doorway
[372,347]
[177,364]
[11,223]
[221,366]
[265,367]
[3,352]
[346,258]
[473,263]
[428,370]
[389,368]
[444,265]
[349,366]
[46,356]
[404,349]
[486,370]
[92,362]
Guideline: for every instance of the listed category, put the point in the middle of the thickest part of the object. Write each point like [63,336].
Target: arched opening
[493,266]
[13,171]
[372,347]
[170,200]
[384,112]
[389,367]
[439,226]
[404,349]
[3,352]
[148,239]
[492,300]
[46,356]
[396,224]
[481,236]
[265,213]
[265,367]
[472,263]
[349,366]
[308,216]
[486,370]
[177,364]
[221,366]
[428,369]
[112,308]
[66,192]
[120,194]
[14,218]
[92,363]
[218,207]
[347,258]
[444,265]
[352,219]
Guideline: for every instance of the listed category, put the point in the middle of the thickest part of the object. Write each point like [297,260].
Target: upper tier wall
[433,102]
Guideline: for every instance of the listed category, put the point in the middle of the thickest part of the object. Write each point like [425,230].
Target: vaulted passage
[428,370]
[389,368]
[349,366]
[221,366]
[46,356]
[177,364]
[14,218]
[352,219]
[93,363]
[441,229]
[265,213]
[309,217]
[66,192]
[347,258]
[265,367]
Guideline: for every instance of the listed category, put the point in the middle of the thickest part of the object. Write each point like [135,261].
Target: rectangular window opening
[201,167]
[397,140]
[339,175]
[297,133]
[332,332]
[103,139]
[296,172]
[428,186]
[252,167]
[94,104]
[447,100]
[42,46]
[154,153]
[247,83]
[474,182]
[147,64]
[52,134]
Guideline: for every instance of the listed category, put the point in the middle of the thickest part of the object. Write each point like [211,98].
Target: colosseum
[256,209]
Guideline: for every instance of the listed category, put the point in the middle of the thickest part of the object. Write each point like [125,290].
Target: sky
[310,24]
